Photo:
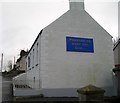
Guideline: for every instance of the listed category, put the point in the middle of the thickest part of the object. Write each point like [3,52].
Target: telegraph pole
[14,60]
[1,62]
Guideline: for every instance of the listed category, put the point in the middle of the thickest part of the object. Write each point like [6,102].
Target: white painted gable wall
[62,72]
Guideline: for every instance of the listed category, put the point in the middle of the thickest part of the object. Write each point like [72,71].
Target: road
[6,89]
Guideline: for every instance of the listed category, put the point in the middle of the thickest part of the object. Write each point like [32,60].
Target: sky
[22,20]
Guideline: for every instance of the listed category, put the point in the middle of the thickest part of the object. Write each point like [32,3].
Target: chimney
[77,4]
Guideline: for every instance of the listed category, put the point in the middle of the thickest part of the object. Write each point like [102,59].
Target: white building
[70,53]
[21,61]
[116,50]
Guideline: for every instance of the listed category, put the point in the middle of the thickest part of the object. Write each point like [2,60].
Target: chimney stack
[76,4]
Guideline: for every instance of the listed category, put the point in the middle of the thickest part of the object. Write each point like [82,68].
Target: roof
[116,44]
[35,40]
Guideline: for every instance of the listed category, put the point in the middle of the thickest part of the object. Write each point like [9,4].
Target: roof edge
[35,41]
[116,44]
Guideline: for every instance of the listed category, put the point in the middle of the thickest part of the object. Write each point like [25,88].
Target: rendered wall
[33,71]
[62,70]
[61,73]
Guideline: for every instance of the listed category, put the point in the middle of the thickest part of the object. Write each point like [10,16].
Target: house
[21,61]
[70,53]
[116,50]
[19,67]
[116,70]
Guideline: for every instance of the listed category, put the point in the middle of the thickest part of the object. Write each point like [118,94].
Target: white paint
[59,70]
[20,79]
[33,72]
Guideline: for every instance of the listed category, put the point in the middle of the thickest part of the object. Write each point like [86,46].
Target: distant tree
[10,64]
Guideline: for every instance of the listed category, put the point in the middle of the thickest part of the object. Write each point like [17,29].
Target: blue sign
[75,44]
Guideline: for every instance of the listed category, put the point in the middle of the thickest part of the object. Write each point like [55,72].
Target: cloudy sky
[22,20]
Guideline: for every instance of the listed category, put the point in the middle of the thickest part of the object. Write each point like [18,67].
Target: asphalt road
[7,89]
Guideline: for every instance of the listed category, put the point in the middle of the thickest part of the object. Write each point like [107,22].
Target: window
[26,66]
[37,55]
[33,57]
[28,61]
